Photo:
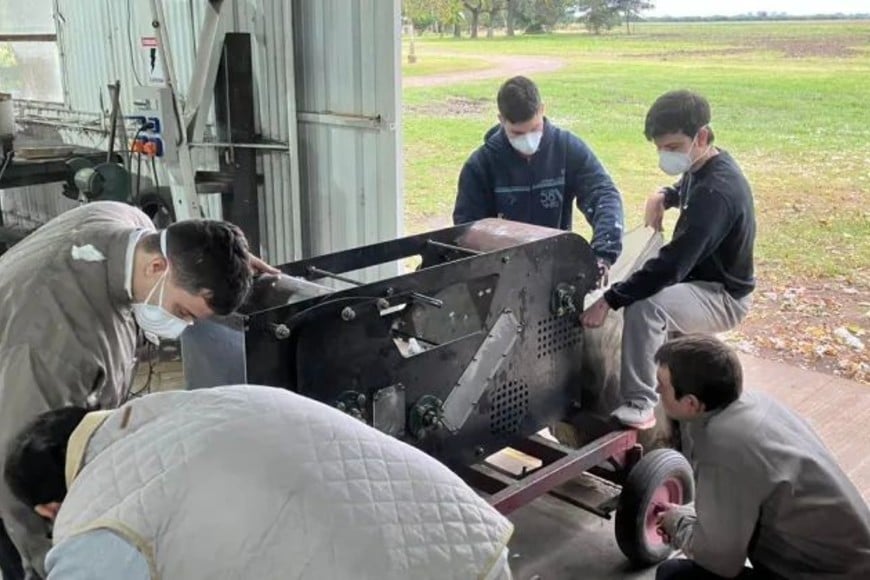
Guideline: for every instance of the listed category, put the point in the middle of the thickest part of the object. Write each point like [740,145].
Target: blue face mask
[154,320]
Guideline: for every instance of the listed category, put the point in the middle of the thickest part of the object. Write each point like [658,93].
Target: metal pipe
[427,299]
[62,124]
[282,147]
[415,295]
[28,38]
[454,248]
[114,90]
[374,123]
[340,278]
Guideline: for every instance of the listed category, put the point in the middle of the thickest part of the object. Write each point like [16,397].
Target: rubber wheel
[661,476]
[157,207]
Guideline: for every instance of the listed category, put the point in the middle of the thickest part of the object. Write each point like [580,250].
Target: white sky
[732,7]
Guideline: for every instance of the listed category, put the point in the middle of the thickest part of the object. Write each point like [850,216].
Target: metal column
[234,112]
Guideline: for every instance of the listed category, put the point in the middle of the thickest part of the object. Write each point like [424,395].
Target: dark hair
[703,366]
[208,257]
[36,457]
[678,112]
[518,100]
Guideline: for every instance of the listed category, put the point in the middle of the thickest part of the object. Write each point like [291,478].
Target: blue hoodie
[497,181]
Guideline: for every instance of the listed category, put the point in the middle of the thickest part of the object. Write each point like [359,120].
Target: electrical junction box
[155,118]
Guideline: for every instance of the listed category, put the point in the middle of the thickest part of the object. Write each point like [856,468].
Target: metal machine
[459,358]
[470,353]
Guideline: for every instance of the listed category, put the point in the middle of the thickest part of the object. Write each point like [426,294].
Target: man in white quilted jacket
[245,482]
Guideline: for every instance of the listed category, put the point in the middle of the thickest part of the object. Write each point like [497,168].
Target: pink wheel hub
[670,491]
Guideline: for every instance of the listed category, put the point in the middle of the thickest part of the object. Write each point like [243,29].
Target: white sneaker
[636,415]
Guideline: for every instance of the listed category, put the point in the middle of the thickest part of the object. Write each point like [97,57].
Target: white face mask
[527,144]
[154,320]
[674,162]
[677,162]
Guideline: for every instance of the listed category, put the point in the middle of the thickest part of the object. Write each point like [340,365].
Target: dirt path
[502,67]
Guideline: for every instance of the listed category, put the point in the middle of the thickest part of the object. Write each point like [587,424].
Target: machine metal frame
[465,356]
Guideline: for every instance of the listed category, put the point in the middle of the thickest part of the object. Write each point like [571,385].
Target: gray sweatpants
[682,308]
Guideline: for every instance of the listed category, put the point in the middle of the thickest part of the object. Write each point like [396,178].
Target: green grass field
[790,102]
[433,65]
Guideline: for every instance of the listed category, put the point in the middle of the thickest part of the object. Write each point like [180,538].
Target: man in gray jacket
[71,297]
[767,489]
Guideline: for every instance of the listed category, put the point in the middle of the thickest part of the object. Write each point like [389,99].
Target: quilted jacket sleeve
[96,555]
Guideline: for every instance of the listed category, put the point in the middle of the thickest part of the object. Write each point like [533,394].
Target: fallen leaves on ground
[822,325]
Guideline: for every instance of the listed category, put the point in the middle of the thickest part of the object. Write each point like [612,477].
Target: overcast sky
[696,8]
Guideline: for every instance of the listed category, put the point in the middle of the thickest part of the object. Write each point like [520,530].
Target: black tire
[663,473]
[158,207]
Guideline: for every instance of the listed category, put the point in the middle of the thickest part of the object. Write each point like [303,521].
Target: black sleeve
[672,193]
[672,197]
[705,224]
[474,196]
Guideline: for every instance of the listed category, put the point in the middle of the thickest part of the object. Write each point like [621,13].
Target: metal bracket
[189,118]
[425,416]
[479,374]
[353,403]
[388,410]
[563,299]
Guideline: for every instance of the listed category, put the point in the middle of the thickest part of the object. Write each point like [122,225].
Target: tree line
[458,17]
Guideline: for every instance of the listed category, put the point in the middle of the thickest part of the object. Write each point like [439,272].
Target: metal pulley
[106,181]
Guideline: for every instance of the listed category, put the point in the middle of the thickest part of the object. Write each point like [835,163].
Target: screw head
[282,331]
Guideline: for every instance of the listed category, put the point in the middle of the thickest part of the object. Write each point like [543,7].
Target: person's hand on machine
[654,212]
[603,273]
[595,315]
[259,267]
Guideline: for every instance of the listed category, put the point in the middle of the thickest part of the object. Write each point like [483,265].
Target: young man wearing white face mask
[528,170]
[72,297]
[702,279]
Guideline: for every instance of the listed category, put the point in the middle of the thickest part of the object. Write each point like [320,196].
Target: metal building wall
[348,92]
[332,64]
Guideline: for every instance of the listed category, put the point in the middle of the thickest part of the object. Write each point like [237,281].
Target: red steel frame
[560,465]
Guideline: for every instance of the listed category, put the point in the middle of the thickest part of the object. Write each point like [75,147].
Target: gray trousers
[689,307]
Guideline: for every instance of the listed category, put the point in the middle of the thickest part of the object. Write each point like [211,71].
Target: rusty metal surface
[497,234]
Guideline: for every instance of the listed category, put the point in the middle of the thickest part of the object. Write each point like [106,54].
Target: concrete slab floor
[557,541]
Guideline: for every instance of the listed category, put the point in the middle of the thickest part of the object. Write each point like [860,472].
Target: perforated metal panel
[510,403]
[555,334]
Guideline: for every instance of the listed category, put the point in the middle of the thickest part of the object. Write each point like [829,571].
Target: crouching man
[246,482]
[767,489]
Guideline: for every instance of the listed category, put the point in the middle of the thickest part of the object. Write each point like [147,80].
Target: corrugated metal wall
[336,62]
[348,98]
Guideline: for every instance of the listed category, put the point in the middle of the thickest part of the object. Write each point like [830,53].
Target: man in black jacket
[529,170]
[702,279]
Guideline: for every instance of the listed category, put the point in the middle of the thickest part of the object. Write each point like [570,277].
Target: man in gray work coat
[71,297]
[767,488]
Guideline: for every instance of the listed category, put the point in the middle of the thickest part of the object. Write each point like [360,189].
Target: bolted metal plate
[489,358]
[388,410]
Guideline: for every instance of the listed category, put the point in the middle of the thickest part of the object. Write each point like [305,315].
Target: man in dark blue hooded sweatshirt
[528,170]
